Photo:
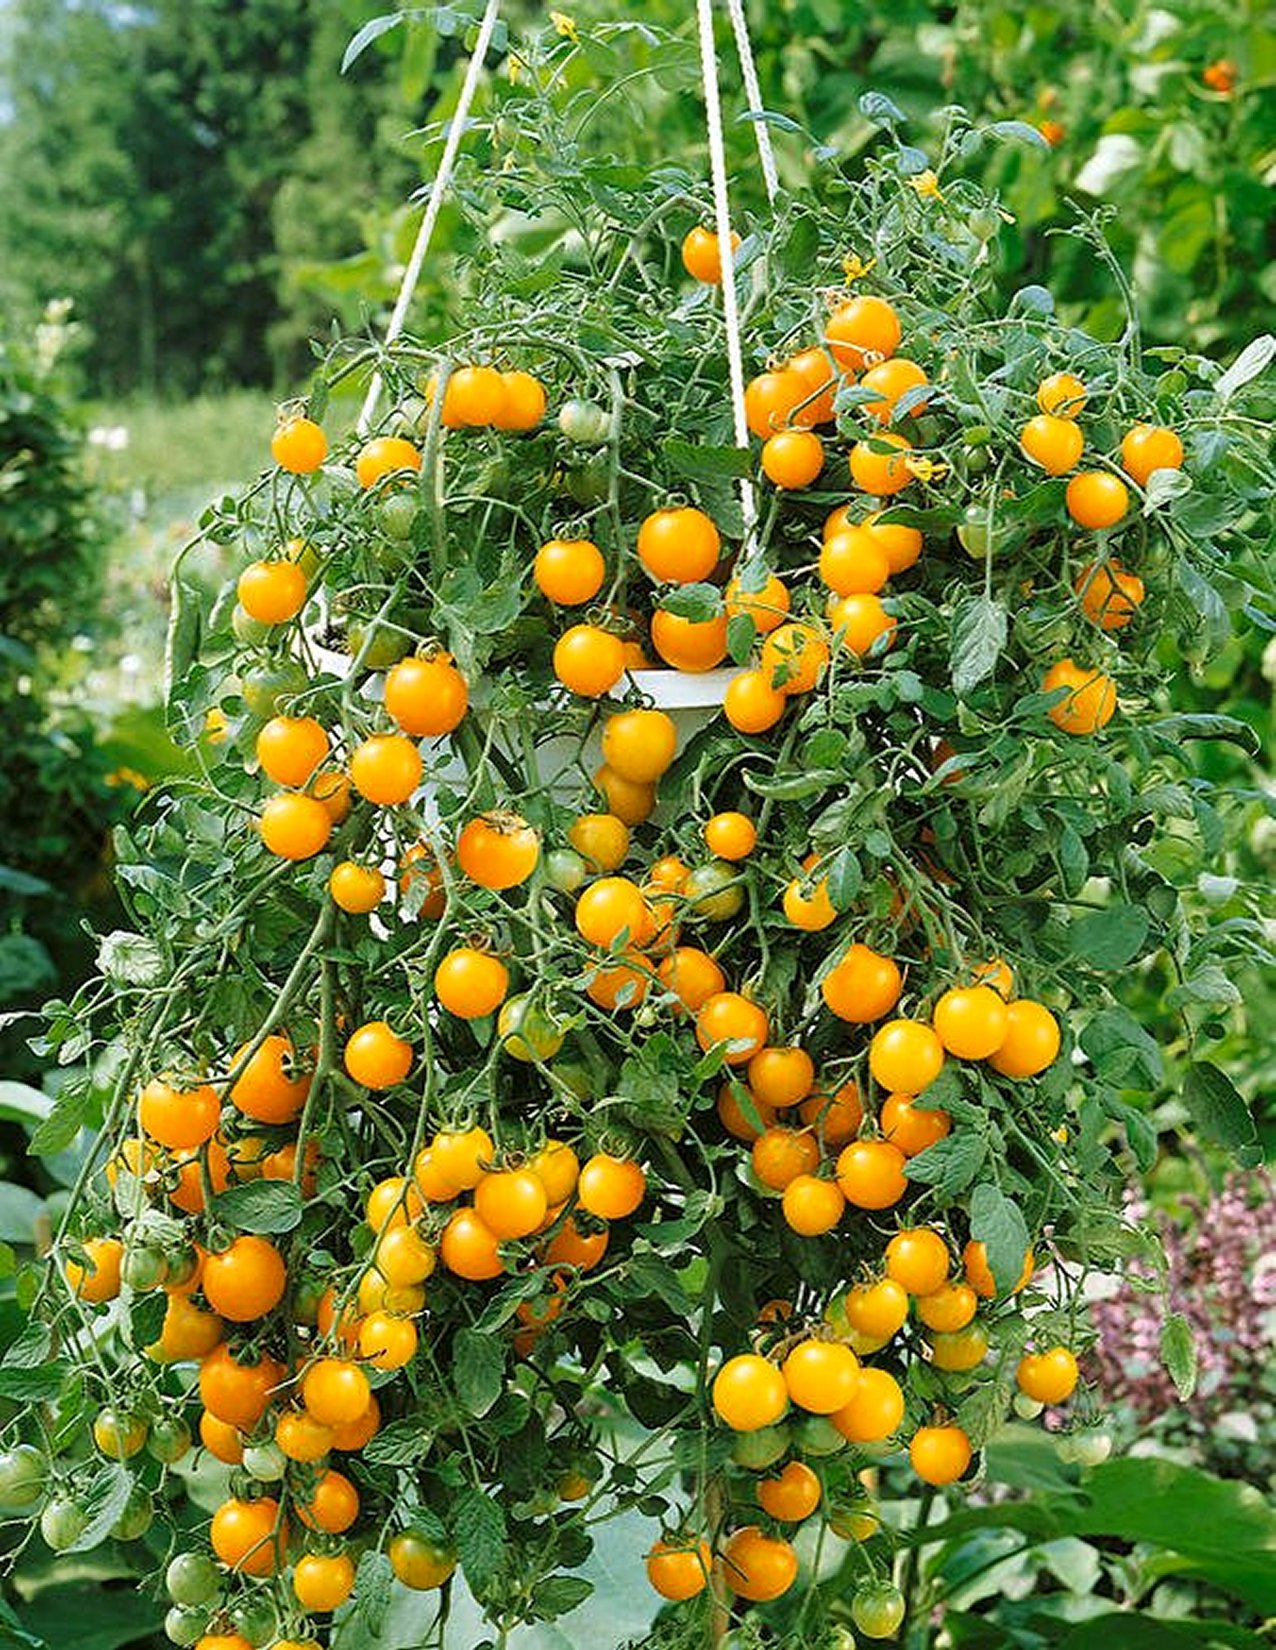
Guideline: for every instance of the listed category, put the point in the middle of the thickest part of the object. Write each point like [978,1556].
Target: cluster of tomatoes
[292,1371]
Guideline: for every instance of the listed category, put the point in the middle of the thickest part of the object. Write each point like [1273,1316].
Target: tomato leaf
[146,1318]
[63,1123]
[1253,360]
[478,1370]
[373,1591]
[556,1595]
[979,630]
[398,1445]
[104,1500]
[259,1206]
[1178,1354]
[696,602]
[703,463]
[479,1526]
[1123,1053]
[1110,939]
[952,1164]
[1220,1112]
[372,30]
[997,1222]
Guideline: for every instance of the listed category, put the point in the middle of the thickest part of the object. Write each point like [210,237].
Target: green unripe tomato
[816,1435]
[584,422]
[588,483]
[565,870]
[185,1626]
[23,1478]
[192,1578]
[377,645]
[169,1439]
[143,1267]
[973,534]
[528,1031]
[251,632]
[255,1617]
[398,515]
[760,1449]
[267,688]
[713,892]
[62,1523]
[841,1638]
[878,1609]
[1026,1408]
[137,1517]
[1093,1447]
[267,1463]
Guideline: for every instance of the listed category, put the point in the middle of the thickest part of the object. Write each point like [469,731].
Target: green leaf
[1110,939]
[556,1595]
[63,1123]
[373,1590]
[979,629]
[20,1209]
[1163,487]
[1122,1051]
[696,602]
[1016,131]
[701,463]
[1133,1631]
[259,1206]
[20,1103]
[372,30]
[794,787]
[1207,725]
[1253,360]
[997,1222]
[1208,987]
[104,1500]
[479,1526]
[1219,1111]
[478,1369]
[951,1164]
[398,1445]
[1178,1354]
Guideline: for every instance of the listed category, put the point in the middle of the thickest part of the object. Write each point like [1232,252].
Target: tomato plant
[785,1097]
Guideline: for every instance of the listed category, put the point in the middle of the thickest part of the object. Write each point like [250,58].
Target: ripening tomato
[911,1127]
[781,1154]
[522,404]
[611,1188]
[939,1455]
[246,1280]
[223,1441]
[1048,1377]
[948,1308]
[383,456]
[979,1274]
[727,1017]
[1056,444]
[97,1278]
[387,1340]
[335,1391]
[1149,447]
[237,1392]
[1031,1042]
[891,380]
[1062,395]
[570,1246]
[270,1088]
[119,1436]
[862,986]
[854,563]
[179,1118]
[569,571]
[602,840]
[812,1206]
[905,1056]
[691,975]
[630,802]
[871,1174]
[299,446]
[679,546]
[295,827]
[792,459]
[403,1257]
[249,1536]
[821,378]
[613,911]
[807,905]
[861,327]
[301,1437]
[999,975]
[1109,595]
[356,888]
[511,1203]
[749,1392]
[272,592]
[419,868]
[702,255]
[751,704]
[1089,703]
[332,1504]
[418,1562]
[971,1021]
[474,397]
[758,1567]
[859,621]
[821,1376]
[781,1076]
[375,1057]
[874,1410]
[290,748]
[774,401]
[427,697]
[471,983]
[528,1030]
[639,745]
[323,1582]
[903,545]
[557,1168]
[1096,499]
[353,1435]
[792,1494]
[794,657]
[692,645]
[498,850]
[961,1351]
[469,1248]
[835,1117]
[881,473]
[731,835]
[332,791]
[679,1570]
[386,769]
[877,1310]
[588,660]
[767,605]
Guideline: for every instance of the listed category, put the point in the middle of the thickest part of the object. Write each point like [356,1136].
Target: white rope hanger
[753,97]
[442,178]
[722,216]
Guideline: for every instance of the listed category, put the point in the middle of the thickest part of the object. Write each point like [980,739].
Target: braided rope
[753,97]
